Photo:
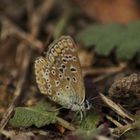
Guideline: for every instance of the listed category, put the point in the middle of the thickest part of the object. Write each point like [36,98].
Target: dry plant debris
[126,91]
[26,29]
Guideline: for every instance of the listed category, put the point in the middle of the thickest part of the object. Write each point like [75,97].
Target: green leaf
[133,135]
[128,49]
[88,129]
[105,38]
[62,23]
[90,121]
[40,115]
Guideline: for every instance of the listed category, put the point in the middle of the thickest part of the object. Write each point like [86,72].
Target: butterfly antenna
[94,98]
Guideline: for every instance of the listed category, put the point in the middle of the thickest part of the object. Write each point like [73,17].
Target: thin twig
[116,108]
[104,70]
[38,15]
[26,38]
[65,124]
[61,25]
[102,77]
[9,28]
[114,121]
[17,93]
[119,131]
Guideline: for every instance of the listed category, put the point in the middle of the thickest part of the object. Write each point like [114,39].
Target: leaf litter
[22,41]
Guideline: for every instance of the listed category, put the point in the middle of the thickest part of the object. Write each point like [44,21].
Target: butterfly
[59,75]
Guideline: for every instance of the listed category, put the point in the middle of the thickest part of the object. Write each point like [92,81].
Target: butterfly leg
[81,116]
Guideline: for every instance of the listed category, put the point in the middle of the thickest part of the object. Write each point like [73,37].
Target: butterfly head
[87,105]
[81,107]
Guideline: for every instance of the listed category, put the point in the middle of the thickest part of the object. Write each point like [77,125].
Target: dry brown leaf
[126,91]
[86,58]
[121,11]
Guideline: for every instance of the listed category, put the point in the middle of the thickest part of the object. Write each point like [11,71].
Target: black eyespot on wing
[49,85]
[68,78]
[67,87]
[64,60]
[74,58]
[70,56]
[49,92]
[61,70]
[60,75]
[53,72]
[66,57]
[74,79]
[63,66]
[57,82]
[73,69]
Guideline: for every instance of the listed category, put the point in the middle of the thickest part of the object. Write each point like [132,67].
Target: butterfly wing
[59,73]
[63,54]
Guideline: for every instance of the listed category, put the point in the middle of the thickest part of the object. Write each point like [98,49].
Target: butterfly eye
[87,105]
